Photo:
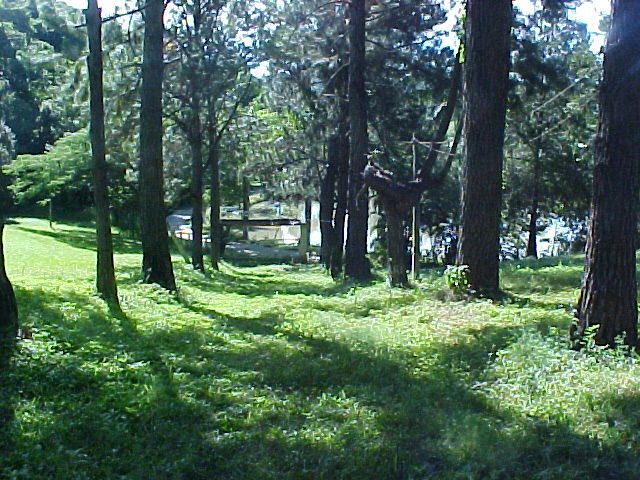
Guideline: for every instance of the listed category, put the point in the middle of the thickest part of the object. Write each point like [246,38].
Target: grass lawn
[276,372]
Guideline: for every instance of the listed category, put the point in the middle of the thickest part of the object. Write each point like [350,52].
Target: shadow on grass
[245,262]
[86,240]
[623,416]
[99,422]
[429,424]
[246,399]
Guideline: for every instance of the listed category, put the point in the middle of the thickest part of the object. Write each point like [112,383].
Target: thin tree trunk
[196,194]
[105,268]
[415,222]
[246,205]
[609,292]
[356,263]
[486,71]
[304,243]
[51,213]
[156,259]
[532,242]
[195,144]
[215,233]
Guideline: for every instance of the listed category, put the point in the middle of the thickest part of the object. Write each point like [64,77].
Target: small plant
[457,278]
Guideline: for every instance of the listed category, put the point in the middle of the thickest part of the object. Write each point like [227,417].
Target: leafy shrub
[457,278]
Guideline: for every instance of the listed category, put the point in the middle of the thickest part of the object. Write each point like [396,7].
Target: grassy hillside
[276,372]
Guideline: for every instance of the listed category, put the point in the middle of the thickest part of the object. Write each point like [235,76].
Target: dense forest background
[271,79]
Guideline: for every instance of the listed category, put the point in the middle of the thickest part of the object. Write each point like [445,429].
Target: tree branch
[452,98]
[438,179]
[115,16]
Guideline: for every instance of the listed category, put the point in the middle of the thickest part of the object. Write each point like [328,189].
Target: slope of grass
[276,372]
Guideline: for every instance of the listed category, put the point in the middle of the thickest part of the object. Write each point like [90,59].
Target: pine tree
[105,278]
[356,264]
[156,260]
[487,41]
[609,292]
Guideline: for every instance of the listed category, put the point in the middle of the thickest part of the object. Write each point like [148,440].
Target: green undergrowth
[277,372]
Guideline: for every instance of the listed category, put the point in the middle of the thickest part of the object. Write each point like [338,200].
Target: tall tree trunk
[105,269]
[327,201]
[609,293]
[8,309]
[215,233]
[195,141]
[356,263]
[156,259]
[532,242]
[342,170]
[486,72]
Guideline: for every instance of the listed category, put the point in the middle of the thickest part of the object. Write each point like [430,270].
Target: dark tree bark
[396,243]
[488,26]
[156,259]
[397,198]
[8,309]
[327,202]
[339,158]
[105,270]
[342,192]
[356,263]
[609,292]
[214,218]
[532,240]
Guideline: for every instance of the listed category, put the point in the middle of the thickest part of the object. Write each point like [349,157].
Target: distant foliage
[38,49]
[62,173]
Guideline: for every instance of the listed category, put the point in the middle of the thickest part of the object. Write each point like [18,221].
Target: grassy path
[276,372]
